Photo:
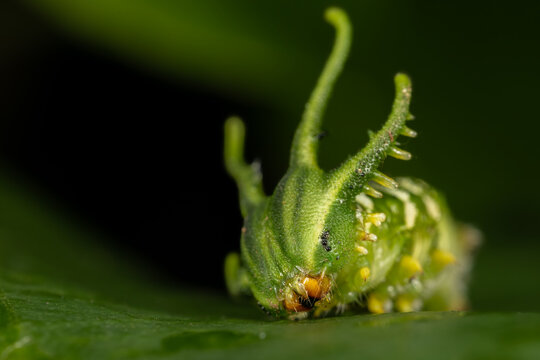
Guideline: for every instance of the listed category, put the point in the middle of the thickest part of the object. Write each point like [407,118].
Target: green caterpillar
[352,237]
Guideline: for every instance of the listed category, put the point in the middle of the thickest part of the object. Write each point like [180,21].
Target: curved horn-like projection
[247,177]
[357,171]
[305,143]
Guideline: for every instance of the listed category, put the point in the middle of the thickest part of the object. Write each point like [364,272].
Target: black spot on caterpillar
[324,240]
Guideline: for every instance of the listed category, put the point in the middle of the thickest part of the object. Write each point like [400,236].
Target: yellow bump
[364,273]
[361,250]
[399,153]
[404,303]
[409,117]
[410,266]
[372,192]
[365,236]
[376,218]
[375,305]
[442,258]
[408,132]
[384,180]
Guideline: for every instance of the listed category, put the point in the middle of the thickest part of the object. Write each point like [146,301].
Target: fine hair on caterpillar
[352,237]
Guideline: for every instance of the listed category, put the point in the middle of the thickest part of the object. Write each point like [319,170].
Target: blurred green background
[124,75]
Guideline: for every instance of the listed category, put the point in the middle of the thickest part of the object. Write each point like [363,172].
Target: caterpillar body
[349,238]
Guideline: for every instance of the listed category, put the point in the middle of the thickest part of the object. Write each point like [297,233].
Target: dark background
[130,145]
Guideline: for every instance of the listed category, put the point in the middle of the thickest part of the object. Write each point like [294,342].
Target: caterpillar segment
[412,256]
[351,238]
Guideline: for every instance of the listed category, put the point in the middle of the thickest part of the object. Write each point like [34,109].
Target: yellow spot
[364,273]
[410,266]
[404,303]
[361,250]
[376,218]
[375,304]
[362,276]
[442,258]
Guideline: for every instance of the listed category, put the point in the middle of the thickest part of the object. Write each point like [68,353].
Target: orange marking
[292,303]
[316,288]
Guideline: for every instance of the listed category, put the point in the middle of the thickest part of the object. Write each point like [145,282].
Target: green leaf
[42,321]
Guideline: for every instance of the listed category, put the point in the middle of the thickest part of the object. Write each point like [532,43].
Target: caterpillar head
[296,241]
